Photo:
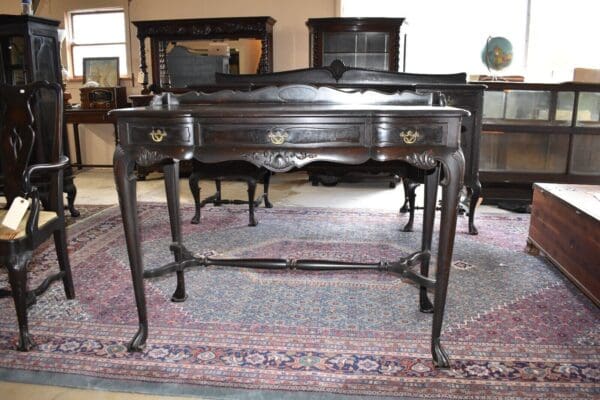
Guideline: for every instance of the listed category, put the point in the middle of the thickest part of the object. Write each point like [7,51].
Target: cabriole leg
[431,185]
[453,175]
[171,172]
[125,180]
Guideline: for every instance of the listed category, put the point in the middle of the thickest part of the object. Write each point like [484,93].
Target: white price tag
[15,213]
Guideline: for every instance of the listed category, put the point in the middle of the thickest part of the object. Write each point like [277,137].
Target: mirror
[187,52]
[194,62]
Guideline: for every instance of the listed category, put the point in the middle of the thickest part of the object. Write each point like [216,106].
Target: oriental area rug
[514,327]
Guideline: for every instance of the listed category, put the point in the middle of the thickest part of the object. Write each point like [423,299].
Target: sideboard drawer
[176,133]
[411,134]
[337,134]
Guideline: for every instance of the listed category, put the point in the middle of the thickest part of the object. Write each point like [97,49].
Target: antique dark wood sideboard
[453,87]
[283,128]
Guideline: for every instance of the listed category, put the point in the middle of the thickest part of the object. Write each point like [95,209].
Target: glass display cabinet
[372,43]
[538,133]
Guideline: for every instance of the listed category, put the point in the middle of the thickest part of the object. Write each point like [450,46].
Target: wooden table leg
[454,165]
[126,187]
[77,145]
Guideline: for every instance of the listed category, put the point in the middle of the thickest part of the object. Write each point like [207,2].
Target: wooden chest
[565,227]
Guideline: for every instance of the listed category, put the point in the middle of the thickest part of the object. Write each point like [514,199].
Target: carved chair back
[20,140]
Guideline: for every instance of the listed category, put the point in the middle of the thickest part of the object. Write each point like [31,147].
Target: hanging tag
[15,213]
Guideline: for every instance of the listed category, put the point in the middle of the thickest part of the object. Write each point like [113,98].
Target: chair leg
[217,201]
[475,196]
[251,191]
[405,185]
[60,241]
[267,181]
[411,194]
[17,276]
[71,194]
[195,189]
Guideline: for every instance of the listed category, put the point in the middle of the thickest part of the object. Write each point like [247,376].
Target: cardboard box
[588,75]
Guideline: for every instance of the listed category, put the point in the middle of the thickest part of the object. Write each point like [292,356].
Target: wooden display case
[372,43]
[538,133]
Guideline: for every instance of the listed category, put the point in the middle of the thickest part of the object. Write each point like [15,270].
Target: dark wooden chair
[18,139]
[230,171]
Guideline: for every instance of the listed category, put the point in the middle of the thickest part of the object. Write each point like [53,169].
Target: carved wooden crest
[279,161]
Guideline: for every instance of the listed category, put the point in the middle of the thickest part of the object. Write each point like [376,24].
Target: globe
[497,53]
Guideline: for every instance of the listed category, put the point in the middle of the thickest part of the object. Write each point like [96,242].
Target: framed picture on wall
[103,70]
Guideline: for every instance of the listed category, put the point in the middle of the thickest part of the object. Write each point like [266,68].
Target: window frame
[72,44]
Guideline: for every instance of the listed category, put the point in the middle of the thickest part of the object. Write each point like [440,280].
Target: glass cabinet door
[12,60]
[585,157]
[524,152]
[588,110]
[527,105]
[565,101]
[356,49]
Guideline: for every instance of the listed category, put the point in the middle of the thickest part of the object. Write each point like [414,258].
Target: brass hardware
[277,136]
[409,136]
[158,135]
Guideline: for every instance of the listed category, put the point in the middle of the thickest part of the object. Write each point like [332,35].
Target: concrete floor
[96,186]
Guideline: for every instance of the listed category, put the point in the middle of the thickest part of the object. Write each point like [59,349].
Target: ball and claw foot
[440,357]
[408,227]
[25,342]
[139,340]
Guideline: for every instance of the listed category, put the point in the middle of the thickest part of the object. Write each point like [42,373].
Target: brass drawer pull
[409,136]
[277,136]
[158,135]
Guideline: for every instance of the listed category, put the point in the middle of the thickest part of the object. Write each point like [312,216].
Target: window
[549,39]
[98,34]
